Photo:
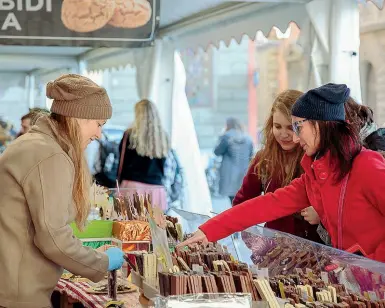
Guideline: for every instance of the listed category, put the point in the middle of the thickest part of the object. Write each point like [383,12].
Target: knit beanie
[325,103]
[79,97]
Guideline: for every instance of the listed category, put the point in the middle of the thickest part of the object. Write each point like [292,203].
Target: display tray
[137,279]
[94,229]
[284,254]
[149,291]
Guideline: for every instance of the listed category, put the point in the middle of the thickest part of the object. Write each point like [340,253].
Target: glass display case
[285,254]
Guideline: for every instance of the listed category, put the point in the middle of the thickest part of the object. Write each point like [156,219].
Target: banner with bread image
[91,23]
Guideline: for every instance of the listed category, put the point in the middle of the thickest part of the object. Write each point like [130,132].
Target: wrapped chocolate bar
[133,230]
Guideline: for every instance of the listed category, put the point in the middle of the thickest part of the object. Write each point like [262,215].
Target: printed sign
[92,23]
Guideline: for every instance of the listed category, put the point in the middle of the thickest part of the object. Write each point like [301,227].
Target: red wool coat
[363,215]
[252,187]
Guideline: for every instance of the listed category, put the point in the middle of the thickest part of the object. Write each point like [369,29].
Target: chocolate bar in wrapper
[134,230]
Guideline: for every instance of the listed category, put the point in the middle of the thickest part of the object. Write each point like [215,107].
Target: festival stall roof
[192,24]
[177,19]
[26,59]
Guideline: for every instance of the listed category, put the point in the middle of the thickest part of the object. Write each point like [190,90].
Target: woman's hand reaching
[311,216]
[198,237]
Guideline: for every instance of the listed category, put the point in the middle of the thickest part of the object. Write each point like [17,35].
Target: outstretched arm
[283,202]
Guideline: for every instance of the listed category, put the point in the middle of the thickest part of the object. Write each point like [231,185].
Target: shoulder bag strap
[341,212]
[122,153]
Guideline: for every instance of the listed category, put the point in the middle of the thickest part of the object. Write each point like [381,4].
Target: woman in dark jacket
[236,149]
[143,152]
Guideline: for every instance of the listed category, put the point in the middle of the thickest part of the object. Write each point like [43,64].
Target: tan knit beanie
[79,97]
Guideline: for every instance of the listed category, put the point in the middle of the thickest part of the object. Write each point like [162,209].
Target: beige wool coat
[36,207]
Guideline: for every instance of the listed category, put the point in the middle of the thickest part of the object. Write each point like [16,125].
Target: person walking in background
[372,137]
[236,149]
[277,164]
[143,152]
[173,180]
[29,119]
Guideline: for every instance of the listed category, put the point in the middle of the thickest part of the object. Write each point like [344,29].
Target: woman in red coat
[277,164]
[342,181]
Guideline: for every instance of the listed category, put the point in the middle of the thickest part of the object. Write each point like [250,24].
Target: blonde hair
[67,132]
[147,136]
[273,161]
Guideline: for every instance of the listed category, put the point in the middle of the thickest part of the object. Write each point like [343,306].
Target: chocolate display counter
[270,267]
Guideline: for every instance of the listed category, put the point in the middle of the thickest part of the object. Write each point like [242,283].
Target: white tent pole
[31,90]
[82,67]
[344,45]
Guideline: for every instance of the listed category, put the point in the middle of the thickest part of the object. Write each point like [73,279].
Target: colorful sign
[92,23]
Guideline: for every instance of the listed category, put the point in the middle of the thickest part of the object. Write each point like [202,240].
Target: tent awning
[234,22]
[196,24]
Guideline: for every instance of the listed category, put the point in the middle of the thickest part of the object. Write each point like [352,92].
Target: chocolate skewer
[112,286]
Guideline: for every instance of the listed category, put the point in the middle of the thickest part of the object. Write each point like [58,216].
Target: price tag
[299,271]
[282,290]
[197,268]
[254,269]
[305,296]
[372,296]
[309,272]
[263,273]
[325,277]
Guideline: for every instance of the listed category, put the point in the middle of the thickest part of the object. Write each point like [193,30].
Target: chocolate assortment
[146,266]
[212,270]
[310,291]
[174,230]
[296,275]
[206,270]
[286,257]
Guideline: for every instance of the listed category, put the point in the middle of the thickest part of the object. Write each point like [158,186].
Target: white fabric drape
[154,77]
[185,142]
[344,45]
[330,39]
[161,78]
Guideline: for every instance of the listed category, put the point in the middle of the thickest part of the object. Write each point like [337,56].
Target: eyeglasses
[297,126]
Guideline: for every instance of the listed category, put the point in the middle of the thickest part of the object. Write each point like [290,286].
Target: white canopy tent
[329,38]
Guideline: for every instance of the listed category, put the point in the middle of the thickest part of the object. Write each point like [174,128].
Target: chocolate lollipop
[112,285]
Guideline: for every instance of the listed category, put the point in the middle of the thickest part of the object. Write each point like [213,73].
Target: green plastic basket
[94,229]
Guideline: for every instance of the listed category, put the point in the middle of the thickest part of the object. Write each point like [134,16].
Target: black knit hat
[325,103]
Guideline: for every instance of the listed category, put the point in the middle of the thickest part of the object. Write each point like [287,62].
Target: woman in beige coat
[44,186]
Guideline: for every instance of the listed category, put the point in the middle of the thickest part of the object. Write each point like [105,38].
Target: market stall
[259,268]
[161,77]
[274,269]
[127,219]
[330,44]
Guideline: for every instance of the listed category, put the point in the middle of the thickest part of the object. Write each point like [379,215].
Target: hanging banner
[90,23]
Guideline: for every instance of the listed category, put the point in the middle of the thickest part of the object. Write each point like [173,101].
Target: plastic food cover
[238,300]
[358,274]
[260,248]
